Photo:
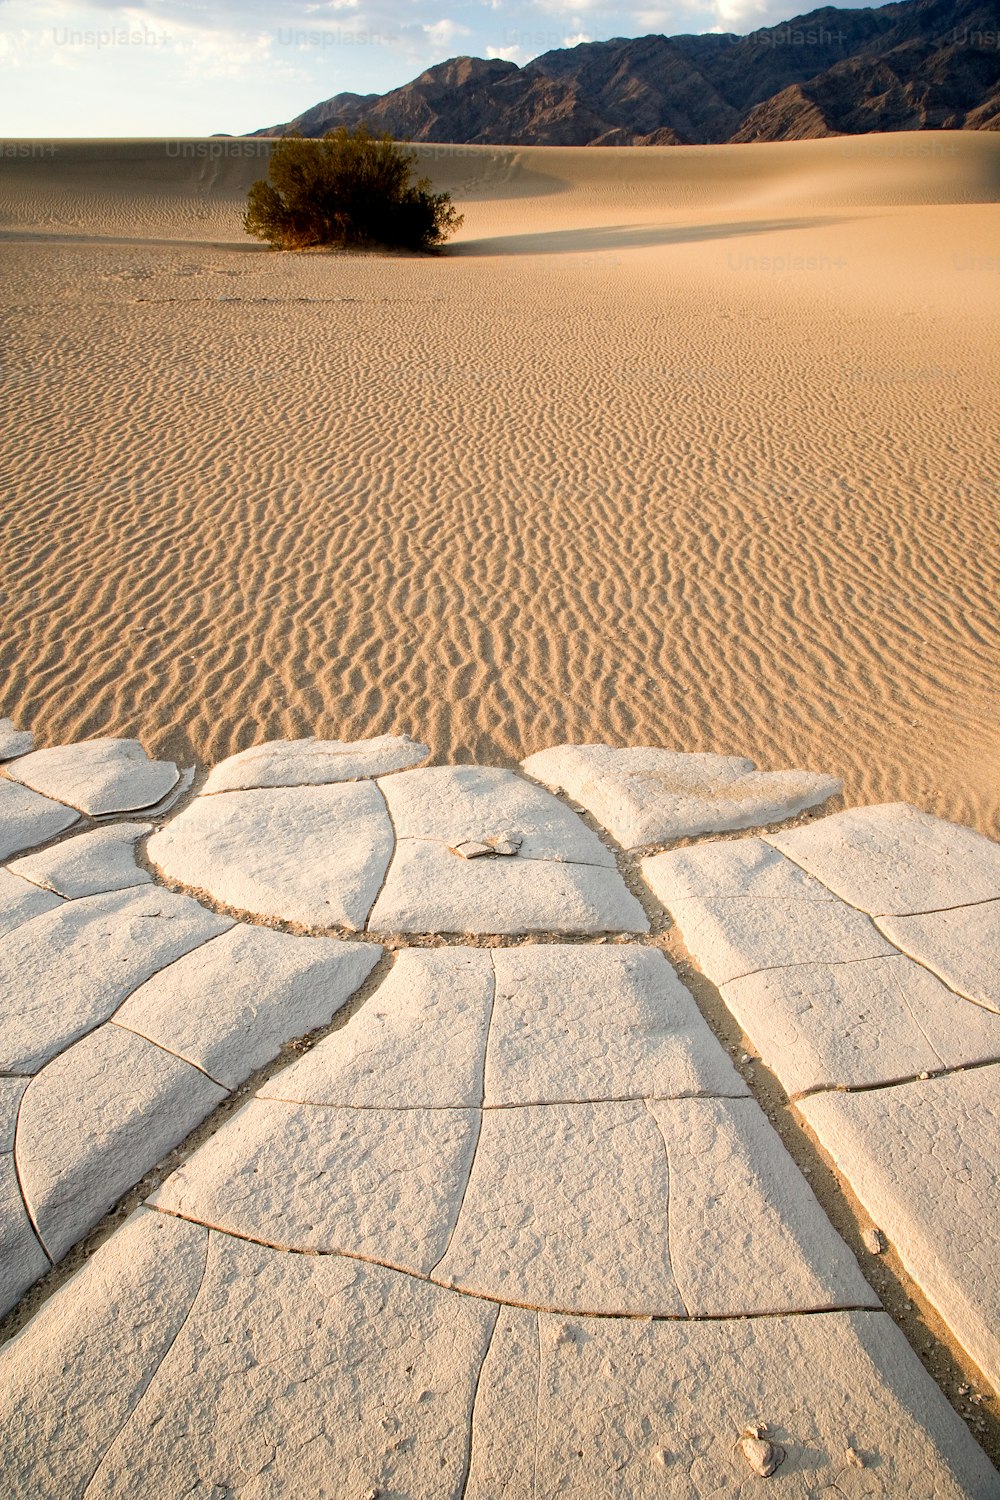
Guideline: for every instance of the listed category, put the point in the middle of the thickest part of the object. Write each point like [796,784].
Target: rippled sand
[688,447]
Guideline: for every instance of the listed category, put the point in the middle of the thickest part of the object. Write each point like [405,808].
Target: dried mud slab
[644,796]
[97,776]
[924,1159]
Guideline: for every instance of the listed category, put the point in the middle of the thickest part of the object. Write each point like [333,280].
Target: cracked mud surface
[514,1220]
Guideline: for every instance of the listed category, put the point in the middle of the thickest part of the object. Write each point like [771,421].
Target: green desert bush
[348,189]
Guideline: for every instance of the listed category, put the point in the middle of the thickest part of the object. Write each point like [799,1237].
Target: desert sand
[691,447]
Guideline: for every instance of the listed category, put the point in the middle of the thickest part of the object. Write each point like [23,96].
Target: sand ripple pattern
[633,475]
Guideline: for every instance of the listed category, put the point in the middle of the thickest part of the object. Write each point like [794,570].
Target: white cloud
[734,12]
[574,10]
[443,33]
[575,41]
[509,54]
[15,45]
[220,54]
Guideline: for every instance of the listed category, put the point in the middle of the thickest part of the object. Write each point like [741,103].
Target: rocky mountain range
[918,65]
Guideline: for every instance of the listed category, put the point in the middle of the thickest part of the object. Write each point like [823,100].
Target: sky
[176,68]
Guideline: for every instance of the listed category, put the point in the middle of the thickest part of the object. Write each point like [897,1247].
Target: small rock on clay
[874,1241]
[761,1454]
[505,844]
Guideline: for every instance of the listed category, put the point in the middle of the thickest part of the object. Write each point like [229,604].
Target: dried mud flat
[680,447]
[361,1138]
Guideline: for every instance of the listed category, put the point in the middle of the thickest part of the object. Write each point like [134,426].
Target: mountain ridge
[912,65]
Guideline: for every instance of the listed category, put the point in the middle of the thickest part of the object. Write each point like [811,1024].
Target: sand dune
[692,447]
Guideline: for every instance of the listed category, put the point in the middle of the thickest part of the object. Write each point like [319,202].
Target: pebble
[762,1456]
[499,844]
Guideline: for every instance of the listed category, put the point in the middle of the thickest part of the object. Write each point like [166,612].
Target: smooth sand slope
[689,447]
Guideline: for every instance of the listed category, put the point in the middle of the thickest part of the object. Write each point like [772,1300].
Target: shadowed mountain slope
[919,65]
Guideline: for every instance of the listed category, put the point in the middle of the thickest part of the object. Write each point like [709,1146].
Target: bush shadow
[586,241]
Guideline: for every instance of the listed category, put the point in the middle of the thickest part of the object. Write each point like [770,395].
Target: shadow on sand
[586,241]
[582,241]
